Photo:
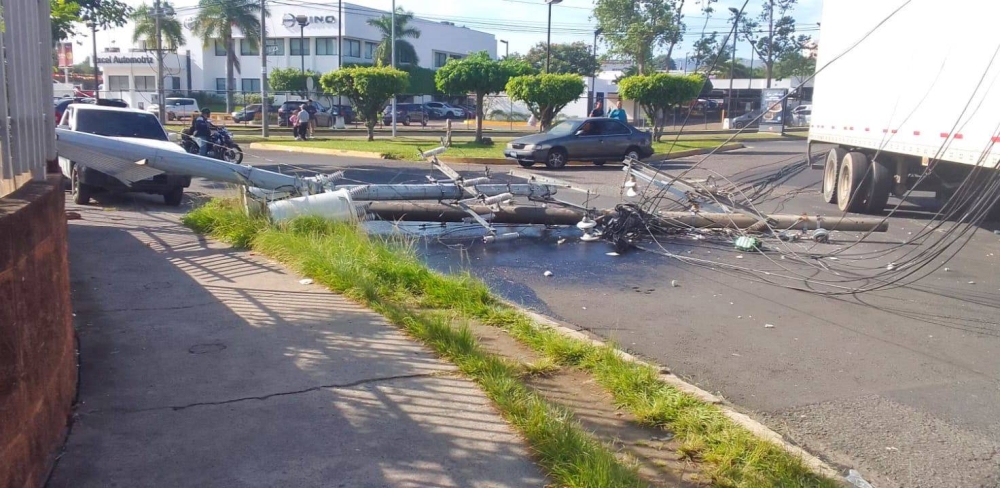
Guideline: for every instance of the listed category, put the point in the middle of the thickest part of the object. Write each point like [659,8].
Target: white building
[317,46]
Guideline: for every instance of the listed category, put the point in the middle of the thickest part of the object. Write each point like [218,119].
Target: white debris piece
[612,253]
[305,281]
[547,273]
[674,284]
[561,240]
[768,326]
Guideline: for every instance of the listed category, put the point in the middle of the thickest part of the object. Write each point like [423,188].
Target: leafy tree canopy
[576,58]
[545,95]
[368,89]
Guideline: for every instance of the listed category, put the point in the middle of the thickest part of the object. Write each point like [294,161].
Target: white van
[177,108]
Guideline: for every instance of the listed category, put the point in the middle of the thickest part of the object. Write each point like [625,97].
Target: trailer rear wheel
[880,187]
[852,185]
[831,171]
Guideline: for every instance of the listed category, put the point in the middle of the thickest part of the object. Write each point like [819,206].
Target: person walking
[598,111]
[304,118]
[619,113]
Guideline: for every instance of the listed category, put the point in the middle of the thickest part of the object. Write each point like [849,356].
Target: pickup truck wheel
[80,191]
[831,171]
[853,184]
[556,158]
[174,196]
[881,186]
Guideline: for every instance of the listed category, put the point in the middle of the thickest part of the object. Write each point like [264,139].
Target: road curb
[266,146]
[756,428]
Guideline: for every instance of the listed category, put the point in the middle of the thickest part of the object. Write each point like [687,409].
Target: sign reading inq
[289,21]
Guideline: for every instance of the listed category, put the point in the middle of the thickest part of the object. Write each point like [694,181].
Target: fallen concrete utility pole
[438,191]
[439,212]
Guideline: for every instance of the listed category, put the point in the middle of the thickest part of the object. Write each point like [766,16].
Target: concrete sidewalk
[204,366]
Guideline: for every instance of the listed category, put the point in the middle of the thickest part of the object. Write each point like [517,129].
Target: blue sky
[523,22]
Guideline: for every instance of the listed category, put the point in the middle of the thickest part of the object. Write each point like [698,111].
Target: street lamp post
[732,66]
[303,22]
[548,37]
[593,77]
[506,46]
[392,63]
[506,55]
[687,57]
[93,37]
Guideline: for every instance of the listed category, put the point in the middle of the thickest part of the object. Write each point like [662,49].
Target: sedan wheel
[633,153]
[556,158]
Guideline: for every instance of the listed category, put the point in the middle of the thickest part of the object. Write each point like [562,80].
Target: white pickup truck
[903,87]
[119,123]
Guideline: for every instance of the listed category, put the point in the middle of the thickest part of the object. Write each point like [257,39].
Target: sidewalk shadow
[205,366]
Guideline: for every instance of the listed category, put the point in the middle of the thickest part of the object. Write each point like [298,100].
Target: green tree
[660,93]
[576,58]
[545,95]
[772,33]
[368,88]
[794,64]
[145,26]
[291,80]
[478,74]
[664,63]
[406,54]
[634,29]
[708,51]
[216,20]
[63,14]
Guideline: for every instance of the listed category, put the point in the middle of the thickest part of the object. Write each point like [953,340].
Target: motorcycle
[221,146]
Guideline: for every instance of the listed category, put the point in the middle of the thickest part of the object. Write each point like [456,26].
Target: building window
[440,59]
[220,85]
[275,47]
[174,82]
[326,46]
[299,47]
[220,48]
[118,83]
[370,50]
[404,58]
[250,85]
[145,83]
[352,48]
[247,50]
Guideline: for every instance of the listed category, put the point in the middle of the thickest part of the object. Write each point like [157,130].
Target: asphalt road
[900,384]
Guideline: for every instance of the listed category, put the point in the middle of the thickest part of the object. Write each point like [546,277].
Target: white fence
[27,128]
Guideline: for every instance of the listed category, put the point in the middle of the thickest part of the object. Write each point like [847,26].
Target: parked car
[596,139]
[441,110]
[119,123]
[749,119]
[406,114]
[346,110]
[177,108]
[251,112]
[470,111]
[323,116]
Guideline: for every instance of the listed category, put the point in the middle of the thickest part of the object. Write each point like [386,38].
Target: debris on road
[305,281]
[855,479]
[547,274]
[768,326]
[674,283]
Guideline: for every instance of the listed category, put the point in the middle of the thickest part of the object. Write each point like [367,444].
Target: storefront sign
[64,51]
[125,60]
[289,21]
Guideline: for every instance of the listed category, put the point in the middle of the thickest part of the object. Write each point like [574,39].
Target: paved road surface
[900,384]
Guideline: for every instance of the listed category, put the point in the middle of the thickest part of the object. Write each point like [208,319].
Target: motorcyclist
[201,129]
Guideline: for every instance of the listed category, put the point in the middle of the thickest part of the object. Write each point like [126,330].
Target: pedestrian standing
[304,118]
[293,121]
[619,113]
[598,111]
[311,109]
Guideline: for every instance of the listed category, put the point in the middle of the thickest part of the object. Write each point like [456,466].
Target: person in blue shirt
[619,113]
[202,131]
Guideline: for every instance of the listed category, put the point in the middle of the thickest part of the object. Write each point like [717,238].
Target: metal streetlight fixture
[303,22]
[506,46]
[506,55]
[93,38]
[548,38]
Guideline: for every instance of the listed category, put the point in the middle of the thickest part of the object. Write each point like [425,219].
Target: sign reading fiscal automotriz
[289,20]
[125,60]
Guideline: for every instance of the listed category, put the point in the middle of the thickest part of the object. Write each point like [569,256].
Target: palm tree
[404,50]
[216,20]
[145,27]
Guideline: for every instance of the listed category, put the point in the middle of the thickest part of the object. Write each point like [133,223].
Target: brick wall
[37,353]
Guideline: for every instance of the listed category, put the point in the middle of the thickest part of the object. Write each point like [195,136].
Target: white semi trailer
[905,86]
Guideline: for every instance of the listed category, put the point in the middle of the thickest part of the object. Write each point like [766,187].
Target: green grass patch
[387,275]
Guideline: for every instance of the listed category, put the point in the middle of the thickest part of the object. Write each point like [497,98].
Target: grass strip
[387,275]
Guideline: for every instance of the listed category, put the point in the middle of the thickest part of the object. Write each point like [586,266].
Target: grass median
[387,275]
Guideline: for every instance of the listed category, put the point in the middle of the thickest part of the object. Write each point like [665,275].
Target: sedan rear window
[120,124]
